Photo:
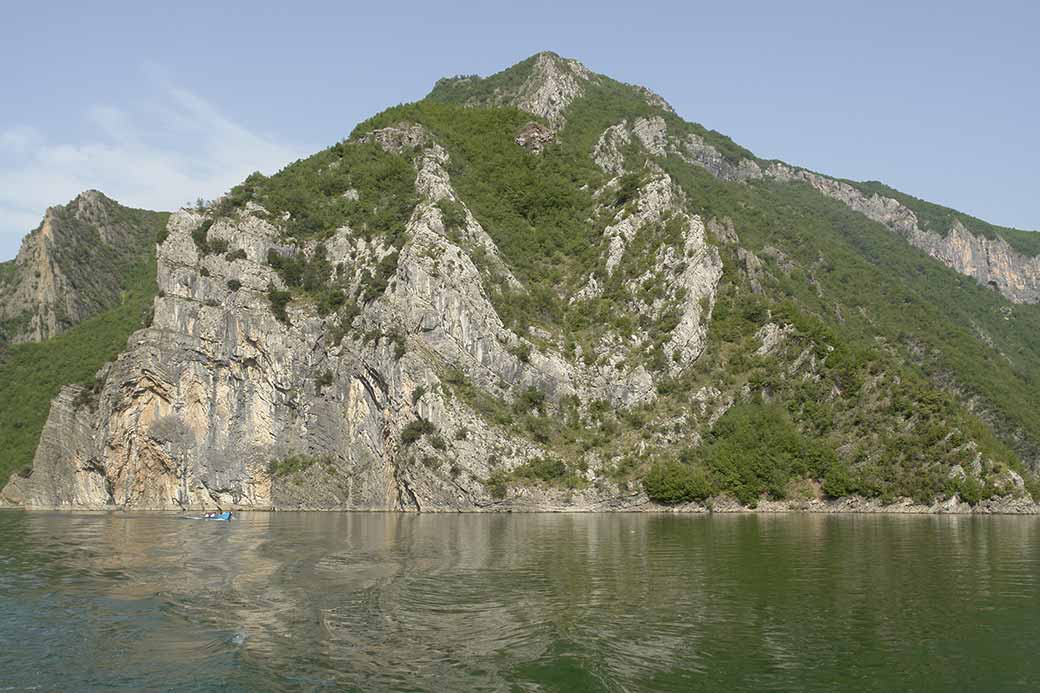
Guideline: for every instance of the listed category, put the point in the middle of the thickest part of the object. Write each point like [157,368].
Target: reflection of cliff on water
[385,600]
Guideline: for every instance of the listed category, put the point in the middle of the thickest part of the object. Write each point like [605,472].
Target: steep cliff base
[541,500]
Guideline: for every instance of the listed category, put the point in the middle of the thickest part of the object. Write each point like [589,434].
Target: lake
[597,602]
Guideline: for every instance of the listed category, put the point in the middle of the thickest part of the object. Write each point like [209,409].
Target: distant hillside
[82,283]
[76,264]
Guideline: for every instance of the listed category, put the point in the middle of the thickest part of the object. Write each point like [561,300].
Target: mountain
[75,265]
[81,284]
[545,290]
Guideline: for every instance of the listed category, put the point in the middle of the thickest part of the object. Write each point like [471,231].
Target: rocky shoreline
[548,501]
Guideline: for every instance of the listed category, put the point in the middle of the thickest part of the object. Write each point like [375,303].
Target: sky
[157,107]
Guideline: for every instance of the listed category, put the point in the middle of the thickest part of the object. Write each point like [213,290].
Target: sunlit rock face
[201,403]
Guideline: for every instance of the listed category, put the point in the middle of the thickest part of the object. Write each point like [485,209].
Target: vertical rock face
[195,411]
[553,85]
[991,261]
[73,266]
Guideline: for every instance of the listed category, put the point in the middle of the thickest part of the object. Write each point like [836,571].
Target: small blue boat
[225,516]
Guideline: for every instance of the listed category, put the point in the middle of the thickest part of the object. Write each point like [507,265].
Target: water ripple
[291,601]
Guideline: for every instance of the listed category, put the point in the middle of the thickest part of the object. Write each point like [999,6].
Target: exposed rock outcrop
[534,137]
[195,411]
[990,261]
[548,85]
[73,266]
[553,84]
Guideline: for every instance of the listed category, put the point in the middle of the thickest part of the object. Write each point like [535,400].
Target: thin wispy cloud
[161,154]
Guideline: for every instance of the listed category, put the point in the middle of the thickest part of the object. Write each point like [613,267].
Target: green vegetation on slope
[7,270]
[350,183]
[857,275]
[532,205]
[479,91]
[31,375]
[865,394]
[293,464]
[605,102]
[9,327]
[753,450]
[540,212]
[852,283]
[355,184]
[905,433]
[98,271]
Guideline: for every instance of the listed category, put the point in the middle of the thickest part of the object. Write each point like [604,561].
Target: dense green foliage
[671,481]
[415,430]
[351,183]
[856,274]
[543,469]
[7,272]
[292,464]
[892,328]
[478,91]
[755,450]
[32,374]
[279,301]
[550,471]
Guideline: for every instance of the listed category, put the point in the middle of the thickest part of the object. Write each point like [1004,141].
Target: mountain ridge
[73,266]
[1004,258]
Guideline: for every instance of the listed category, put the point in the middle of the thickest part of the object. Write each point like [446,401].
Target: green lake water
[378,601]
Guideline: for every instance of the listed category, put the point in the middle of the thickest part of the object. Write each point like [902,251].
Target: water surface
[303,601]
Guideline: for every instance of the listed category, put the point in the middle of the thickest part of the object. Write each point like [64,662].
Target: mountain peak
[545,85]
[91,196]
[553,84]
[84,201]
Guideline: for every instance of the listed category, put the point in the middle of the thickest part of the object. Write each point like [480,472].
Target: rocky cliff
[196,409]
[467,307]
[73,266]
[991,261]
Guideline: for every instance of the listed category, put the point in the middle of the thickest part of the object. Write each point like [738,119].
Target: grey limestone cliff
[202,401]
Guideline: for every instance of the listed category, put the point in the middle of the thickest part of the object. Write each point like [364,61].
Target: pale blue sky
[156,107]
